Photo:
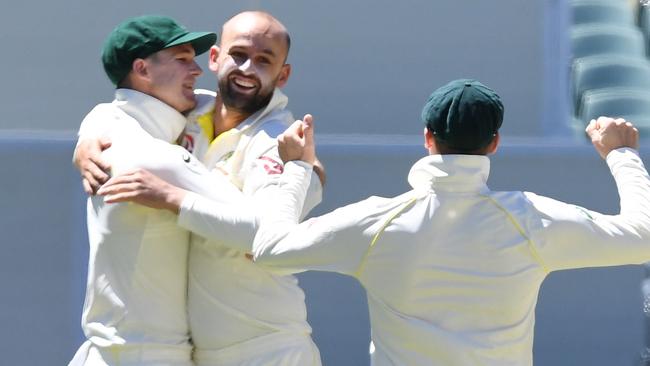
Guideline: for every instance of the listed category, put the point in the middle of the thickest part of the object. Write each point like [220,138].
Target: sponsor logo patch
[271,166]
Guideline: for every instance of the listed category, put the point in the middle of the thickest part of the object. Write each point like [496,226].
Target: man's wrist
[174,200]
[301,163]
[621,157]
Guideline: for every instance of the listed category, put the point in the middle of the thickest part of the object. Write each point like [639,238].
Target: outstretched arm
[338,241]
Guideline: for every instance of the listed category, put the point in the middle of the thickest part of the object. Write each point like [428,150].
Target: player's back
[453,280]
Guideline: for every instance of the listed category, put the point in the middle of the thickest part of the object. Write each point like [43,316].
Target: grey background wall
[358,66]
[364,69]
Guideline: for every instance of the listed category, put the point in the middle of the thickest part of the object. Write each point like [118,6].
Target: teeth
[244,83]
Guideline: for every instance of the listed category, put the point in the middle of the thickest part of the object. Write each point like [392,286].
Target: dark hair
[288,40]
[444,148]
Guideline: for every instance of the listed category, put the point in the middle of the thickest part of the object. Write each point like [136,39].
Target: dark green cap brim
[201,41]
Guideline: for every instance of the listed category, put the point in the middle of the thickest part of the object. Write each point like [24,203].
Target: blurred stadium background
[364,69]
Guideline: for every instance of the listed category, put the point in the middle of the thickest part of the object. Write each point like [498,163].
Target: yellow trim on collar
[207,127]
[216,140]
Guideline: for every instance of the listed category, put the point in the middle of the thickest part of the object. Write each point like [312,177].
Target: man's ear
[285,72]
[428,139]
[213,55]
[139,68]
[494,144]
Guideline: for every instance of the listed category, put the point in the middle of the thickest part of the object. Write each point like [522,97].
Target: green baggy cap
[464,114]
[142,36]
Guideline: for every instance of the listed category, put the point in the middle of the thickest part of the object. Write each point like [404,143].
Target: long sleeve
[100,121]
[574,237]
[106,121]
[262,166]
[231,218]
[338,241]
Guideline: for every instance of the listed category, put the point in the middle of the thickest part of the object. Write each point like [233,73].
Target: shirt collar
[452,173]
[154,116]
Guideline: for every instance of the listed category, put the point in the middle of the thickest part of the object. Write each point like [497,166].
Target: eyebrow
[267,51]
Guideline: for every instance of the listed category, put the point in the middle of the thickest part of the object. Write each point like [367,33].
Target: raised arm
[573,237]
[262,166]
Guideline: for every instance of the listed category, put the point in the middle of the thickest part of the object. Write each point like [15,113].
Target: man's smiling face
[251,61]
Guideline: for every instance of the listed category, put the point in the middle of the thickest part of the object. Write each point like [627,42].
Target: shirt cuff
[185,208]
[297,167]
[620,156]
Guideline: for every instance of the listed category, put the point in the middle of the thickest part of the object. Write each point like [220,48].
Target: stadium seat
[577,125]
[593,39]
[595,11]
[631,104]
[607,71]
[644,24]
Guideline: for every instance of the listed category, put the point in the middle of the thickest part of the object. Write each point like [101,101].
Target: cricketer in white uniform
[135,309]
[452,269]
[240,313]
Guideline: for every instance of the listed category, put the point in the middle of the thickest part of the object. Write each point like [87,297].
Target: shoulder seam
[531,245]
[383,227]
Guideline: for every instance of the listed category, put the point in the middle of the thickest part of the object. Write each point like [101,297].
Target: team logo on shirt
[186,141]
[271,166]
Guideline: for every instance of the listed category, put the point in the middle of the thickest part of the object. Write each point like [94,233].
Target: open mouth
[244,84]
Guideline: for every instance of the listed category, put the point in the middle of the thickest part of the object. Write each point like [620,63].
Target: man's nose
[196,69]
[246,66]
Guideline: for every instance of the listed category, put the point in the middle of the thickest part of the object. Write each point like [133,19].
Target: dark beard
[243,105]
